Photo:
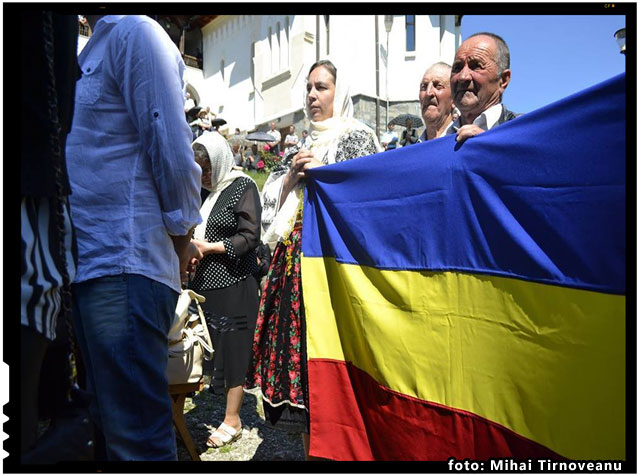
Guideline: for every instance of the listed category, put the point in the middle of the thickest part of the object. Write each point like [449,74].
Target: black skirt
[287,418]
[231,317]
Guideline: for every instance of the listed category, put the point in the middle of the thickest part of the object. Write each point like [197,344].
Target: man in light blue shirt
[305,140]
[389,139]
[135,200]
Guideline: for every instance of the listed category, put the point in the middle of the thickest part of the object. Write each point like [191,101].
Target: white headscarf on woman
[222,174]
[325,137]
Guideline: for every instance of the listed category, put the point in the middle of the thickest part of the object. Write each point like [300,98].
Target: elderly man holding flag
[479,76]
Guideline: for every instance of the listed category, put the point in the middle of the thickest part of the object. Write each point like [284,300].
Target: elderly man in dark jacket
[479,76]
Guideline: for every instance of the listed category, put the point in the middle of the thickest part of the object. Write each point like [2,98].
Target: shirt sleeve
[357,144]
[149,69]
[247,237]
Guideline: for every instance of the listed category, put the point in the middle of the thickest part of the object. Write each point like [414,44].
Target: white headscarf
[222,174]
[325,137]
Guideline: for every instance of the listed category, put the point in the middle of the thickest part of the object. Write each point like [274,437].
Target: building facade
[255,66]
[252,68]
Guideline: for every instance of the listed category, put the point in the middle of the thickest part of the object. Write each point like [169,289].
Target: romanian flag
[469,301]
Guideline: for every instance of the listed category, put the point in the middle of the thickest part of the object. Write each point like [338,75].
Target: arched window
[194,94]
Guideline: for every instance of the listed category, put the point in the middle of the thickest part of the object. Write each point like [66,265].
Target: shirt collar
[485,121]
[489,118]
[453,127]
[446,130]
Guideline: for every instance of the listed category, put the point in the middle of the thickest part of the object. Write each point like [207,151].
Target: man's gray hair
[504,59]
[441,64]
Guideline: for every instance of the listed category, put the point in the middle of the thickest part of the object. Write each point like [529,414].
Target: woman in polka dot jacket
[227,238]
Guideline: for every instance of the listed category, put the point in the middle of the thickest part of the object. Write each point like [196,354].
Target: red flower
[292,375]
[295,341]
[293,395]
[266,147]
[260,165]
[295,305]
[295,358]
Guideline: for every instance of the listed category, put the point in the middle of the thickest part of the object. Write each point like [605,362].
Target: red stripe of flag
[355,418]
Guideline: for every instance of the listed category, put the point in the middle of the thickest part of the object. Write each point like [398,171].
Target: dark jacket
[507,115]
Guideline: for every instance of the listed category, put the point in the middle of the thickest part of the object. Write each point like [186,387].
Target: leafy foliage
[270,160]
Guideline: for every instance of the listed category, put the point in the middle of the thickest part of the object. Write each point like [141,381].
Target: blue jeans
[122,323]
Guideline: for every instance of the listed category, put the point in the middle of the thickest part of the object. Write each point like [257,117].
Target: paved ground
[259,442]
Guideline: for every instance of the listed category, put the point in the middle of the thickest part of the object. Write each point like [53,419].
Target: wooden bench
[178,395]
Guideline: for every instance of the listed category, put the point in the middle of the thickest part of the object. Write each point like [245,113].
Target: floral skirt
[279,365]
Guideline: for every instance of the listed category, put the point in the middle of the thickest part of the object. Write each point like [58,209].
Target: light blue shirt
[133,176]
[305,142]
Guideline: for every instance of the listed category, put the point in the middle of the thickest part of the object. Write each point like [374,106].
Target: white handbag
[189,341]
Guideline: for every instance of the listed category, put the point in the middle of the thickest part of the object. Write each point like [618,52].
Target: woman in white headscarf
[227,238]
[279,367]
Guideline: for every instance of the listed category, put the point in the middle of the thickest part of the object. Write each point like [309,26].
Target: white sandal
[225,433]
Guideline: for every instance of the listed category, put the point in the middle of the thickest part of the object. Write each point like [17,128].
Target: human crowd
[124,193]
[248,157]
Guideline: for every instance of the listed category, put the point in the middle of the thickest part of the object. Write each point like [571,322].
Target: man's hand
[188,254]
[466,131]
[194,255]
[189,261]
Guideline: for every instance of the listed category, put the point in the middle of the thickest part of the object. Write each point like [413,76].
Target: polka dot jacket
[234,220]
